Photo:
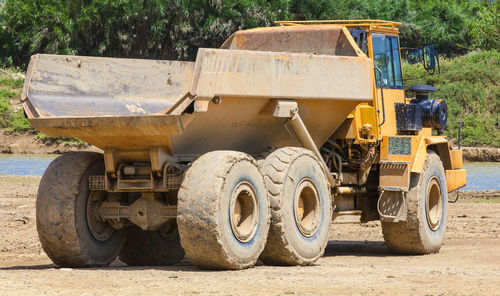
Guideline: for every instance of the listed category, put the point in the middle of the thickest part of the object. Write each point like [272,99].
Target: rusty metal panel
[247,125]
[113,131]
[77,86]
[243,73]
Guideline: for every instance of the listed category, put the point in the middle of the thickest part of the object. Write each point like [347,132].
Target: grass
[484,200]
[14,83]
[12,118]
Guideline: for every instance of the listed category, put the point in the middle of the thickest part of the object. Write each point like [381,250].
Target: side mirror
[415,56]
[429,58]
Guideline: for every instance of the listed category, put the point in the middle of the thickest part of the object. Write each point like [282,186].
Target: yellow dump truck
[249,152]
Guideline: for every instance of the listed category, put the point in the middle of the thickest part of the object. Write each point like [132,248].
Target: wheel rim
[100,230]
[434,204]
[307,208]
[244,212]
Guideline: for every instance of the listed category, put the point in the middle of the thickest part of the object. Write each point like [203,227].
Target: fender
[452,160]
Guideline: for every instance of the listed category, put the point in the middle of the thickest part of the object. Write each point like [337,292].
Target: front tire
[427,212]
[70,234]
[223,211]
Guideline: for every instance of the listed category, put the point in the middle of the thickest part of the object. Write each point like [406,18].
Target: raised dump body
[136,104]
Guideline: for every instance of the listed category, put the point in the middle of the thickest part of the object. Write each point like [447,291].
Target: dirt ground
[356,261]
[29,144]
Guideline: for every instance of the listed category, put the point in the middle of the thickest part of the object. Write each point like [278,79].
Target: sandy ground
[356,261]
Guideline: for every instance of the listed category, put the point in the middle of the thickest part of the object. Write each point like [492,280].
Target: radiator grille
[173,181]
[96,182]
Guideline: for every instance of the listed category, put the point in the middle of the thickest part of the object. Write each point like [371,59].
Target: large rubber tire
[415,236]
[151,247]
[205,202]
[61,213]
[284,170]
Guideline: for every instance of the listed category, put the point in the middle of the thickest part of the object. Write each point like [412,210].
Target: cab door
[384,51]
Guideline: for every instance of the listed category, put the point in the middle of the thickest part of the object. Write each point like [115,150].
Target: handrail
[381,94]
[342,22]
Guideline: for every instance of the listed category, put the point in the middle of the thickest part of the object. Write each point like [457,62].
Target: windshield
[386,58]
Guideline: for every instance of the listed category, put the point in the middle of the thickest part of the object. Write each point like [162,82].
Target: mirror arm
[437,61]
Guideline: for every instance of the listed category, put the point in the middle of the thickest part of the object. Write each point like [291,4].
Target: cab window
[386,58]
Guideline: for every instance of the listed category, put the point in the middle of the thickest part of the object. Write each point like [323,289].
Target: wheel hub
[99,229]
[244,212]
[307,208]
[434,204]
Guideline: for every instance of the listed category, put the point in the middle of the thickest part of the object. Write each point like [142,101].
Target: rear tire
[427,212]
[223,211]
[63,222]
[152,247]
[301,208]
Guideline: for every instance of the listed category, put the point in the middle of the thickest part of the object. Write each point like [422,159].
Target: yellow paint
[419,161]
[347,23]
[433,140]
[352,42]
[416,142]
[391,96]
[373,113]
[455,179]
[456,159]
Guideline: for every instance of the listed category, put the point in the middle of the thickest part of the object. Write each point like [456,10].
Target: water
[480,175]
[24,165]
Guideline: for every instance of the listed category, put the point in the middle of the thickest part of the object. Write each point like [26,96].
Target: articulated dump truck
[248,153]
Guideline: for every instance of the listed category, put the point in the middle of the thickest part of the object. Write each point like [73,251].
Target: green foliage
[5,97]
[175,29]
[12,121]
[67,141]
[470,85]
[11,82]
[160,29]
[34,26]
[18,123]
[485,31]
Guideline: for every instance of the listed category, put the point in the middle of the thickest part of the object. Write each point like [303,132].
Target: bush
[470,85]
[175,29]
[12,121]
[159,29]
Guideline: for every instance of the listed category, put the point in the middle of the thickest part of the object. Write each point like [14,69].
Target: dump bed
[135,104]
